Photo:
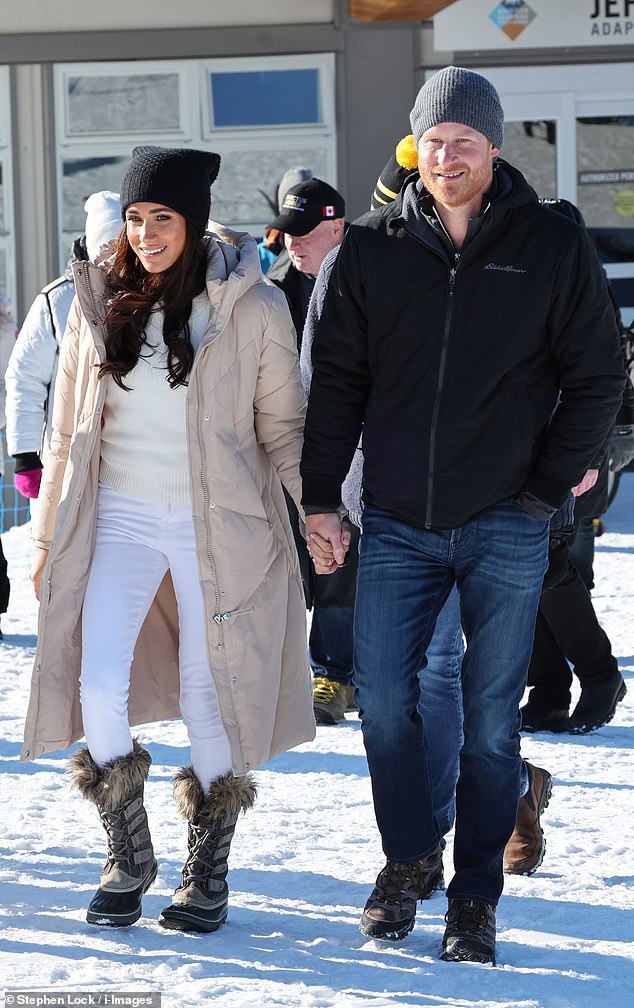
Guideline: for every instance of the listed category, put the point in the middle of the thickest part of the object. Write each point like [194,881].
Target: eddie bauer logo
[513,16]
[504,269]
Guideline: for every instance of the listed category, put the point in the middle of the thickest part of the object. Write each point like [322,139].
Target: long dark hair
[132,293]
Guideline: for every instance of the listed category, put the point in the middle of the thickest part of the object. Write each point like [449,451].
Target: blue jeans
[440,704]
[440,707]
[498,560]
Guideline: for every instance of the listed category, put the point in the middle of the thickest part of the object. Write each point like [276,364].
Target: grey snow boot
[201,901]
[117,791]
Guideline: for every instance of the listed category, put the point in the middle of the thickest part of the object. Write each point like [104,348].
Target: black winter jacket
[297,286]
[453,365]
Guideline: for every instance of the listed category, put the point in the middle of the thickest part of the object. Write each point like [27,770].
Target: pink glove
[28,482]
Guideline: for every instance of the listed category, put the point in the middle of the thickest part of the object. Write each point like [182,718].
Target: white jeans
[137,542]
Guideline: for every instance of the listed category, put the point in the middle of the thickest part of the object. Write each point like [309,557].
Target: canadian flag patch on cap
[329,211]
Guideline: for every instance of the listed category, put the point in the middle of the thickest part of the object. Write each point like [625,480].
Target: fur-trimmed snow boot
[201,901]
[117,791]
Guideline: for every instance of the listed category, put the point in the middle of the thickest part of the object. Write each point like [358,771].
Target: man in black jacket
[468,331]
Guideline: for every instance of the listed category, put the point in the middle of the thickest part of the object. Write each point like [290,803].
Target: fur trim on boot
[201,901]
[108,787]
[117,791]
[227,795]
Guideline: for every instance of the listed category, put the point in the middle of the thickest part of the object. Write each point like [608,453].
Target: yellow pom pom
[406,153]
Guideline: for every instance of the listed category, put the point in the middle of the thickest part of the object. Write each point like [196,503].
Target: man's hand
[37,568]
[328,540]
[587,482]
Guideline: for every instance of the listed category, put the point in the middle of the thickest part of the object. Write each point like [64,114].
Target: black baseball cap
[308,204]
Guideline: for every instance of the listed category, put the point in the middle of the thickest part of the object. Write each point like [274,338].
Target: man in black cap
[468,331]
[312,219]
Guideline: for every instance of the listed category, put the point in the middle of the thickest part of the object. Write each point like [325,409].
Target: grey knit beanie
[294,176]
[462,96]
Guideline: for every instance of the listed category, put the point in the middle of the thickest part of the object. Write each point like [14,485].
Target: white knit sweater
[143,438]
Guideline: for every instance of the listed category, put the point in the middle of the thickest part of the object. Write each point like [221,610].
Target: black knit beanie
[179,178]
[456,95]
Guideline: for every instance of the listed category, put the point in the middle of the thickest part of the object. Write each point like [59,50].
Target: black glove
[621,447]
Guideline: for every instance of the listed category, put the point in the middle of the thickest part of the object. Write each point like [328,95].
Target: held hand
[37,568]
[587,483]
[328,541]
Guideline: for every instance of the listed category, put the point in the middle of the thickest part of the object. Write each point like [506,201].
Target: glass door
[570,130]
[531,146]
[605,189]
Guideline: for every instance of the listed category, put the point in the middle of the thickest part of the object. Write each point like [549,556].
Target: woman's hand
[37,568]
[328,541]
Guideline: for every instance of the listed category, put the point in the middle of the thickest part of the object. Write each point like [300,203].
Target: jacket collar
[233,267]
[414,207]
[508,189]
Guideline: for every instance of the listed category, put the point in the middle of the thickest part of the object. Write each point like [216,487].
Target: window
[605,183]
[531,145]
[119,99]
[134,103]
[80,178]
[261,114]
[269,93]
[265,98]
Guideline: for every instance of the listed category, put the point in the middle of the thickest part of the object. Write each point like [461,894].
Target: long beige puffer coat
[245,416]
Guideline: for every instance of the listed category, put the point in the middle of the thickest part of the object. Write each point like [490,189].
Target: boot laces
[325,690]
[470,916]
[396,881]
[201,864]
[118,833]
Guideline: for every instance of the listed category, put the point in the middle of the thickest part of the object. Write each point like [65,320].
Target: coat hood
[233,267]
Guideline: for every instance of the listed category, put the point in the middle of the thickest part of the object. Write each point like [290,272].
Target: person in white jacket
[7,339]
[30,376]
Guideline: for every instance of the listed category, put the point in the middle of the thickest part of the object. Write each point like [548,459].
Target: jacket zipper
[443,360]
[439,388]
[224,616]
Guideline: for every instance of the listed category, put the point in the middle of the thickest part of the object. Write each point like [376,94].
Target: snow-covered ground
[303,862]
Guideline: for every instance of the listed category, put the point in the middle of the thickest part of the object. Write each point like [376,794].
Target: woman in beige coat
[169,579]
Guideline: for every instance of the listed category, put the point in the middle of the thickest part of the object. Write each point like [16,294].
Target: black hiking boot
[390,911]
[538,715]
[470,932]
[597,705]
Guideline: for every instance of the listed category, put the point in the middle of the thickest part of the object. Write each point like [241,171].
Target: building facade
[324,83]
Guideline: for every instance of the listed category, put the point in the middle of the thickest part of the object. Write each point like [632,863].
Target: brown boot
[525,850]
